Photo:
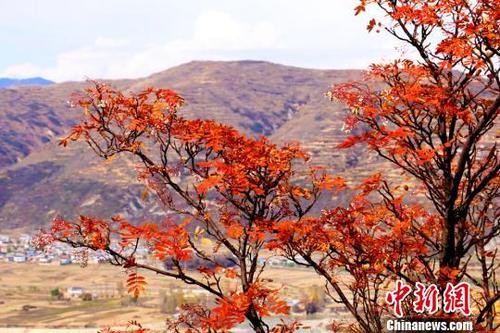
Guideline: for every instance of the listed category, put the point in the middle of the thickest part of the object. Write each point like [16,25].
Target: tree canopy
[431,115]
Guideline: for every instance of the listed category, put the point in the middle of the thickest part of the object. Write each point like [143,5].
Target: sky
[66,40]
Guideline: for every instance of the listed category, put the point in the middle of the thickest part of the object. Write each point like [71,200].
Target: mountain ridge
[39,179]
[6,82]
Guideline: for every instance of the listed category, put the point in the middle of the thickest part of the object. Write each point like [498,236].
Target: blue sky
[71,40]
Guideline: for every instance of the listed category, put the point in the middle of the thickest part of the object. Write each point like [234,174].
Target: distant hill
[39,179]
[34,81]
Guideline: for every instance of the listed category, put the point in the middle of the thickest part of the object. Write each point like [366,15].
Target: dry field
[29,285]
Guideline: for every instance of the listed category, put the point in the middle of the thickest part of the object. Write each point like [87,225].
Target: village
[21,250]
[49,288]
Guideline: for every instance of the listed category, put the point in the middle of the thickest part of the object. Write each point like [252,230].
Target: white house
[75,291]
[19,258]
[4,239]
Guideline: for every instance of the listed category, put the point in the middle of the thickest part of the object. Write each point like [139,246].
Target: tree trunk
[449,258]
[255,320]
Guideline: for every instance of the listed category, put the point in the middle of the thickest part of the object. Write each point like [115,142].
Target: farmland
[26,301]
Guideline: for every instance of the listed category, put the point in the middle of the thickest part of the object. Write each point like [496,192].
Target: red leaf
[206,184]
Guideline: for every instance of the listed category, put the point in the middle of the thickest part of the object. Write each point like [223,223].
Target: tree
[168,303]
[432,118]
[367,240]
[314,299]
[56,293]
[219,184]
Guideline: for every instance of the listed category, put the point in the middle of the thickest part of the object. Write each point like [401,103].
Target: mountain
[34,81]
[39,179]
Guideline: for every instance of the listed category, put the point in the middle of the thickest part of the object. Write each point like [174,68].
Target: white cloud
[97,60]
[217,30]
[110,42]
[321,34]
[214,34]
[22,71]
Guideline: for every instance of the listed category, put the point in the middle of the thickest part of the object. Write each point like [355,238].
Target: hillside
[38,179]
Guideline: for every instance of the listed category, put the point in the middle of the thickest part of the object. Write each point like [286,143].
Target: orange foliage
[432,116]
[135,284]
[235,189]
[429,117]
